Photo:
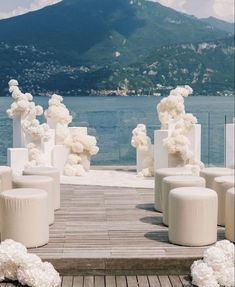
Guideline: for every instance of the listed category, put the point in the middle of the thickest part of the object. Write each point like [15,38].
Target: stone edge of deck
[123,266]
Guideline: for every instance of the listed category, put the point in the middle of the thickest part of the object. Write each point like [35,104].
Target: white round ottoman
[193,216]
[210,173]
[230,215]
[54,173]
[39,182]
[159,175]
[221,185]
[171,182]
[5,177]
[24,216]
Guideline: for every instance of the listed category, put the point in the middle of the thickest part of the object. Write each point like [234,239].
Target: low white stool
[24,216]
[221,185]
[5,177]
[210,173]
[171,182]
[54,173]
[39,182]
[193,216]
[230,215]
[159,175]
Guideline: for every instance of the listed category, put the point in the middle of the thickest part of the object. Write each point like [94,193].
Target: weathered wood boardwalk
[120,281]
[104,230]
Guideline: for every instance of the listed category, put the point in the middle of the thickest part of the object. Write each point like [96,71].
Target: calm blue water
[111,120]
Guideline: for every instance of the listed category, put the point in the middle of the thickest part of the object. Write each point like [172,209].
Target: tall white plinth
[18,134]
[51,123]
[229,145]
[161,157]
[48,146]
[81,130]
[60,155]
[17,158]
[143,158]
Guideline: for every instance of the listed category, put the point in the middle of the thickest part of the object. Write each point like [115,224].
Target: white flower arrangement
[57,111]
[172,115]
[22,105]
[36,131]
[217,267]
[36,157]
[28,269]
[142,142]
[79,144]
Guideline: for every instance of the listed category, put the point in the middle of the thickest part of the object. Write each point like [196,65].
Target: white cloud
[35,5]
[224,9]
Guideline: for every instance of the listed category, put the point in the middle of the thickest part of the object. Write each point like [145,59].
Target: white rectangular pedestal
[18,134]
[161,157]
[47,147]
[60,155]
[229,145]
[17,158]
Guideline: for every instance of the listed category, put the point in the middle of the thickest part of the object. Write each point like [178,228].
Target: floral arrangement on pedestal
[18,265]
[24,109]
[172,115]
[217,266]
[142,142]
[81,146]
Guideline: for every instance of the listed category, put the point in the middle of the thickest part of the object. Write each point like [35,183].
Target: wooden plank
[78,281]
[186,281]
[165,281]
[99,281]
[175,281]
[67,281]
[132,281]
[110,281]
[88,281]
[2,284]
[143,281]
[121,281]
[154,281]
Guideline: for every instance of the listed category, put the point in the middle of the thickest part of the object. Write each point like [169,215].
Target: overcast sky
[222,9]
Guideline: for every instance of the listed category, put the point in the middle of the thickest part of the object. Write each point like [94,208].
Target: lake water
[111,120]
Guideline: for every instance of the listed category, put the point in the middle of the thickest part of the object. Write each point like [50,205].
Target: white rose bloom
[226,277]
[228,249]
[215,258]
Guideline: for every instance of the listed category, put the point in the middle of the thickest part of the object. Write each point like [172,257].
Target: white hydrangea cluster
[217,267]
[36,131]
[79,143]
[139,139]
[36,157]
[57,111]
[28,269]
[142,142]
[172,107]
[22,104]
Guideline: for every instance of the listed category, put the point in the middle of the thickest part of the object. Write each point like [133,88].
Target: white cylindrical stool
[24,216]
[230,215]
[193,216]
[5,177]
[159,175]
[210,173]
[171,182]
[39,182]
[221,185]
[54,173]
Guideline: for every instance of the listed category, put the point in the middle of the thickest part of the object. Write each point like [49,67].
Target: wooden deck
[103,230]
[120,281]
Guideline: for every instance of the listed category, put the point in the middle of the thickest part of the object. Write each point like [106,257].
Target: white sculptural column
[229,144]
[142,158]
[59,157]
[48,146]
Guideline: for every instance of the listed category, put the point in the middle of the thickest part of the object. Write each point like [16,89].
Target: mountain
[76,46]
[220,24]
